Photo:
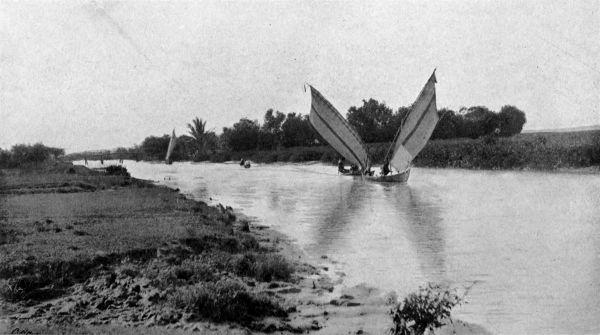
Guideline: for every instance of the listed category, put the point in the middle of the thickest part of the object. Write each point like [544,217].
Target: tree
[511,120]
[37,153]
[447,126]
[372,121]
[271,133]
[480,121]
[242,136]
[297,131]
[205,141]
[155,147]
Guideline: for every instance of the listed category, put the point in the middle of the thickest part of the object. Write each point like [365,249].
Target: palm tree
[200,134]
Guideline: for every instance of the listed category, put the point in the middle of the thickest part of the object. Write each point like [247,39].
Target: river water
[527,243]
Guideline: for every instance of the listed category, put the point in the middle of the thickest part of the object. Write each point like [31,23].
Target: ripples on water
[529,241]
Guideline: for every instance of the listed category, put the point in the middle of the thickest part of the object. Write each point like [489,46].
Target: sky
[89,75]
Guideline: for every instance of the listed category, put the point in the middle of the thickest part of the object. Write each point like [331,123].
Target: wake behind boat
[412,136]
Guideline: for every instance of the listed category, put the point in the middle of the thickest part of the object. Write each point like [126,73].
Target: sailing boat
[168,159]
[413,134]
[334,129]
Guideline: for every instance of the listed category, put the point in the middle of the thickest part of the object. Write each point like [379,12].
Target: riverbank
[551,151]
[531,151]
[83,252]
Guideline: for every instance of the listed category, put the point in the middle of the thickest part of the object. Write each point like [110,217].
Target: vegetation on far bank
[537,151]
[279,133]
[472,138]
[28,156]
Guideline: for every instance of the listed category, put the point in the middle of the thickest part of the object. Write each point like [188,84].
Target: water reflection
[423,229]
[334,213]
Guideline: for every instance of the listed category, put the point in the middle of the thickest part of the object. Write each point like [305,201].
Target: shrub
[428,308]
[117,170]
[263,267]
[225,300]
[10,290]
[193,269]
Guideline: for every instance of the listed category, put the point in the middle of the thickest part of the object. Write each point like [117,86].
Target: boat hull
[401,177]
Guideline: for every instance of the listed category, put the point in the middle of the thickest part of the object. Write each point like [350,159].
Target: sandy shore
[88,253]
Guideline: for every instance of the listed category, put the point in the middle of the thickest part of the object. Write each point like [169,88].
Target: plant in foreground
[426,309]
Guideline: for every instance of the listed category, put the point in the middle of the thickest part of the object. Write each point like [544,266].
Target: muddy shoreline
[120,281]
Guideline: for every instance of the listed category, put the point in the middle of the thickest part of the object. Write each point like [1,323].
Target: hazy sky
[97,74]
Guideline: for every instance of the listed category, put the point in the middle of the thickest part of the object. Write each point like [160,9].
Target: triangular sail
[171,146]
[334,129]
[417,127]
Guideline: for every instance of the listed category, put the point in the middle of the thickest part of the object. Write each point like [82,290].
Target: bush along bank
[527,151]
[543,151]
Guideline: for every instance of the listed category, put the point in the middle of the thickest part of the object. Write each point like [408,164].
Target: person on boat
[385,169]
[353,168]
[242,161]
[341,165]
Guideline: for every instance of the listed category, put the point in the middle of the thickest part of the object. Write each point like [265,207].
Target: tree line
[278,130]
[28,155]
[374,121]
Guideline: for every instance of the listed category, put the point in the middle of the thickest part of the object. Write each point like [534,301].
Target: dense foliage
[25,154]
[374,121]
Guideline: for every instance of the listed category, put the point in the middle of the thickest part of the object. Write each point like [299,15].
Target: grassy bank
[539,151]
[81,248]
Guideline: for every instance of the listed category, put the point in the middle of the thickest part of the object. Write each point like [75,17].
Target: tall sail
[332,126]
[171,147]
[417,127]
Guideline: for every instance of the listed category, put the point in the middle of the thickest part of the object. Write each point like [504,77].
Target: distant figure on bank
[85,159]
[242,161]
[385,169]
[101,161]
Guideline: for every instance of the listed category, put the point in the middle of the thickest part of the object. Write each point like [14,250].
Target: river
[527,243]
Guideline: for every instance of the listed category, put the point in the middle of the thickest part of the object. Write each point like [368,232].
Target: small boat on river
[413,134]
[245,163]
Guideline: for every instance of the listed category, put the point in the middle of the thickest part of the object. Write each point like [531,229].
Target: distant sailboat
[410,139]
[168,159]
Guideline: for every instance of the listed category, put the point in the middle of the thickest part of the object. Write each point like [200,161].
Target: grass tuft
[263,267]
[225,300]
